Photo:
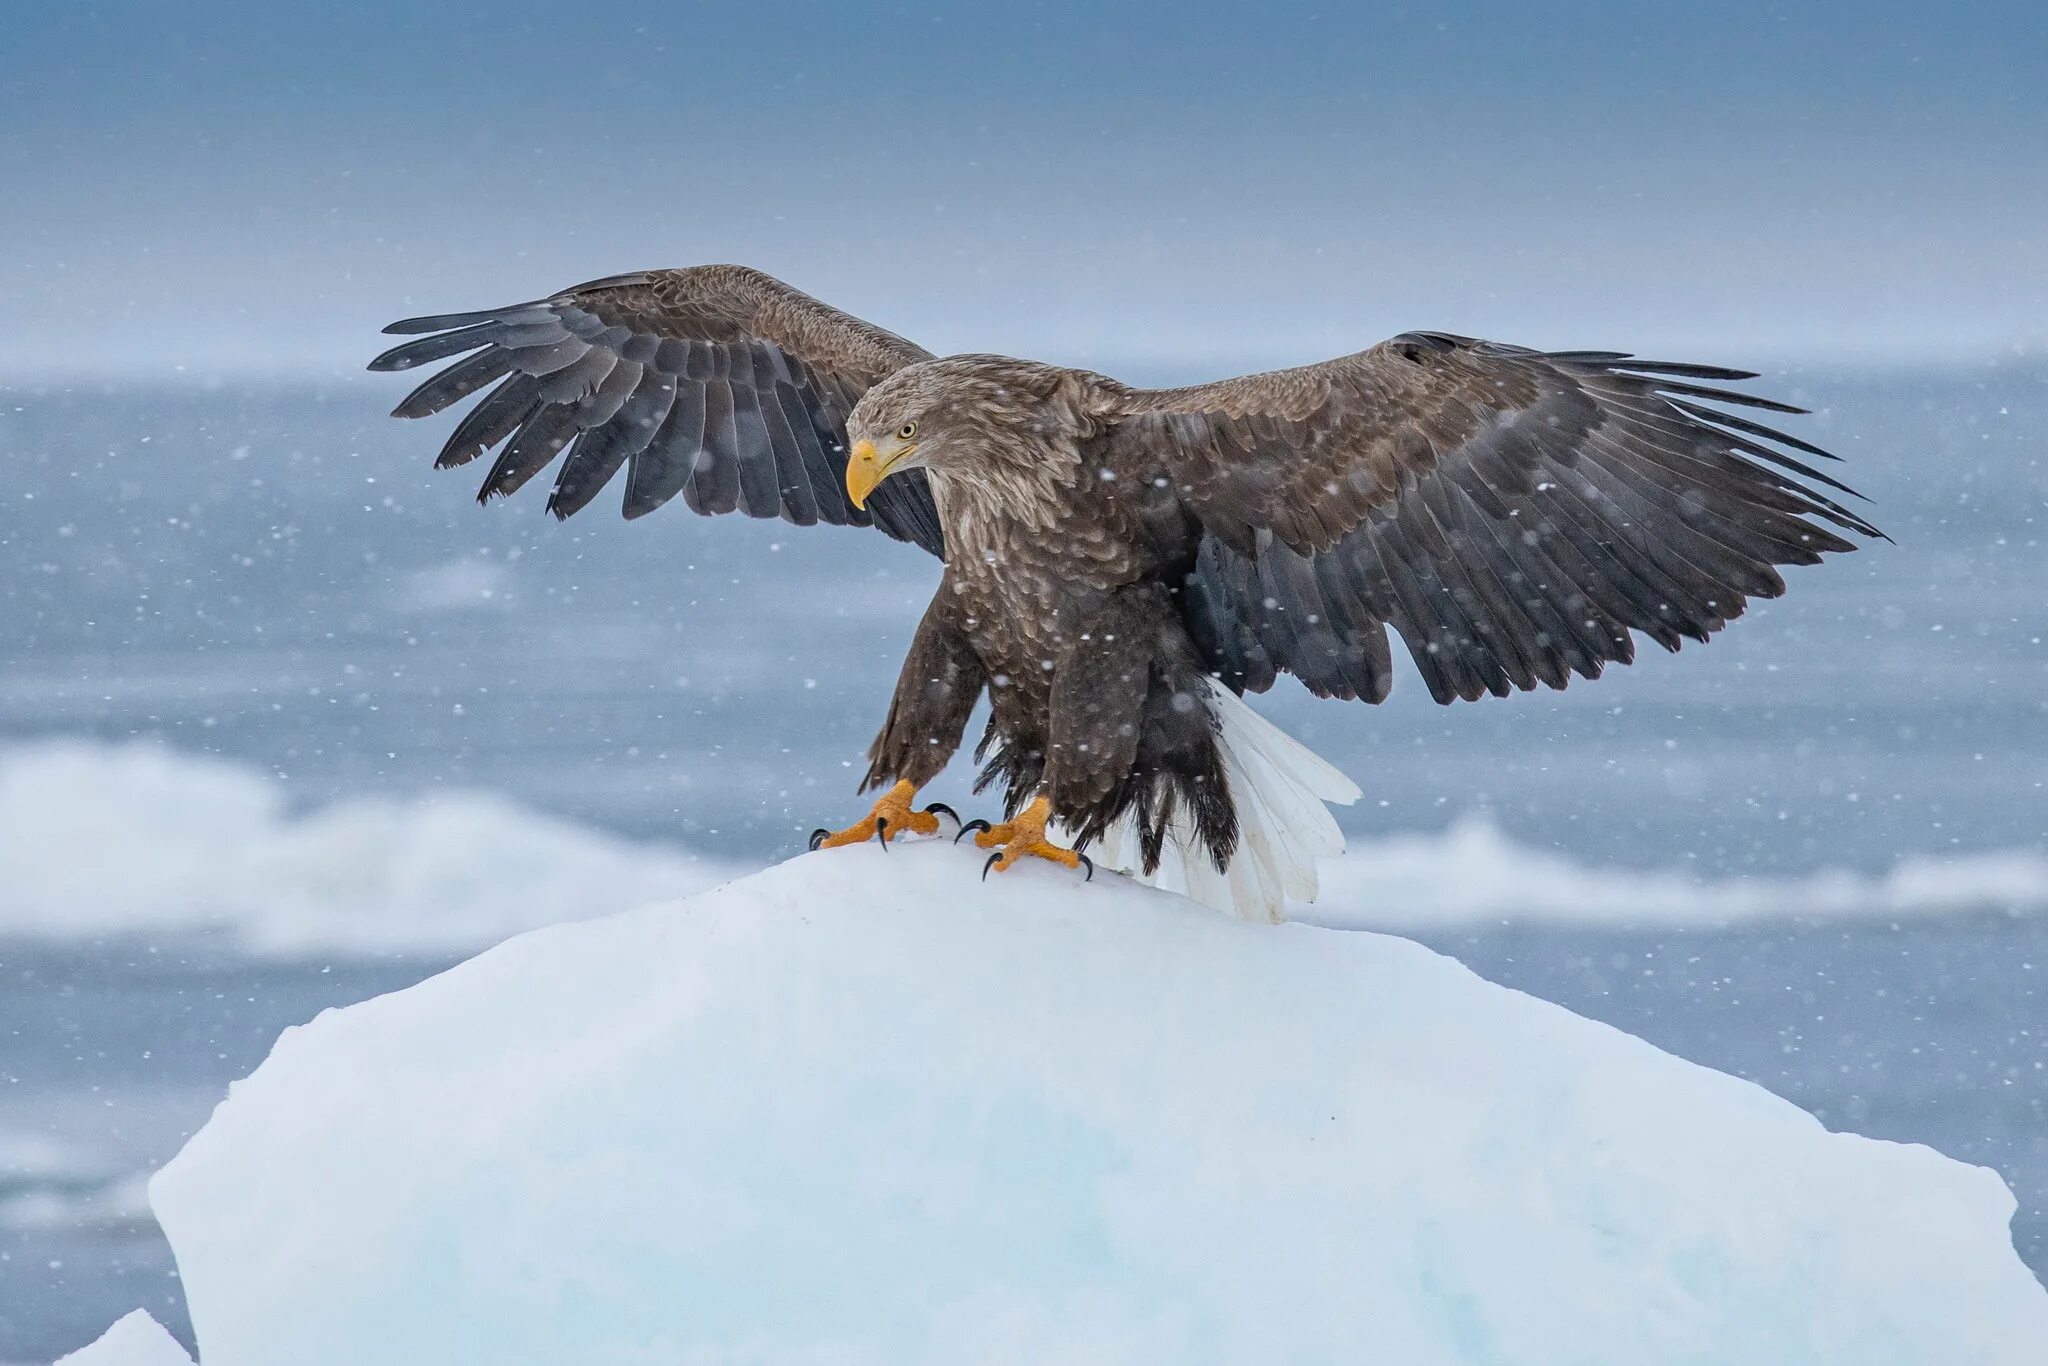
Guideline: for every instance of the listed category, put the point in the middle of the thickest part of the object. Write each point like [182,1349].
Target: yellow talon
[892,816]
[1024,837]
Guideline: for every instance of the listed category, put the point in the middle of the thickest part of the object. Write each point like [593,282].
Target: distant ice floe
[117,1208]
[48,1185]
[102,839]
[1473,874]
[99,839]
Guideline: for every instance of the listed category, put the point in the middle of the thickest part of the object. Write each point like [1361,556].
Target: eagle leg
[1024,837]
[892,815]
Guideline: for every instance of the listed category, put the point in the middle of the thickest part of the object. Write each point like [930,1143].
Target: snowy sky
[230,188]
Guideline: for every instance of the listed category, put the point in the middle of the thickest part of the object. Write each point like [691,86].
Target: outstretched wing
[1513,514]
[716,382]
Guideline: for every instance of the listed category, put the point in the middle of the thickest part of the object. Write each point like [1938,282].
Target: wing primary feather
[579,379]
[1682,369]
[1689,551]
[1548,644]
[1583,630]
[715,480]
[544,356]
[1678,420]
[604,402]
[1709,460]
[760,481]
[1273,621]
[1704,438]
[441,322]
[1430,638]
[458,381]
[536,443]
[1484,600]
[1818,504]
[1704,506]
[1659,599]
[407,355]
[662,469]
[1598,591]
[603,448]
[592,461]
[1726,396]
[753,450]
[648,414]
[1367,633]
[903,508]
[1743,424]
[827,477]
[500,414]
[793,483]
[1698,422]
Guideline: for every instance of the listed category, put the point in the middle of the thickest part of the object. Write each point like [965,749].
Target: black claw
[970,827]
[937,807]
[1087,863]
[818,837]
[882,833]
[990,864]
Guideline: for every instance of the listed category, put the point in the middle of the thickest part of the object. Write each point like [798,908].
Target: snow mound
[136,1340]
[866,1108]
[206,846]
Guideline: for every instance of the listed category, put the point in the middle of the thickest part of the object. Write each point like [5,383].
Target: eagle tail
[1279,787]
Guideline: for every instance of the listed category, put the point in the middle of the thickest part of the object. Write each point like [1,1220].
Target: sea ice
[866,1108]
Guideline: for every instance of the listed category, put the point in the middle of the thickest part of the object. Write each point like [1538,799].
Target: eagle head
[967,418]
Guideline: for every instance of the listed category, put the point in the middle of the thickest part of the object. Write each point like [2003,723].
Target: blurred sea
[274,576]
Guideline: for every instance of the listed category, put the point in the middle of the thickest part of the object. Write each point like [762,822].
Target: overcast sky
[221,189]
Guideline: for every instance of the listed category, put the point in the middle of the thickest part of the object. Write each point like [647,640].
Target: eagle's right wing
[715,382]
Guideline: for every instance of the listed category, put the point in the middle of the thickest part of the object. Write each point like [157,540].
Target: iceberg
[865,1107]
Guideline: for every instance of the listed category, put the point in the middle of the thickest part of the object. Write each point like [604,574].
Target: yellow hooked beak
[867,467]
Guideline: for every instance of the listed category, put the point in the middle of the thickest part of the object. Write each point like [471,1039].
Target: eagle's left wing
[718,383]
[1512,514]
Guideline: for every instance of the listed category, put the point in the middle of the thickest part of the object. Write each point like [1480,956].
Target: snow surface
[136,1340]
[210,846]
[864,1107]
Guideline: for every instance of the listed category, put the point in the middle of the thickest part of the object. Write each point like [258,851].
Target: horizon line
[1149,363]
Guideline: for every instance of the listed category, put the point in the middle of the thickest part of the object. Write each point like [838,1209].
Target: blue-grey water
[275,576]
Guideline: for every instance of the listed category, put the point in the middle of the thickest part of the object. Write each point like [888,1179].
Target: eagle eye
[906,431]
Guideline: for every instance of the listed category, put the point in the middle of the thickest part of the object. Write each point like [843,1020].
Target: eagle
[1122,565]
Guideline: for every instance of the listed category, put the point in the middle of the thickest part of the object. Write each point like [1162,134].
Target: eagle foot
[1023,837]
[892,815]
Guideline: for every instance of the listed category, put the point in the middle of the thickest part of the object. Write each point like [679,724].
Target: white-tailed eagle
[1122,563]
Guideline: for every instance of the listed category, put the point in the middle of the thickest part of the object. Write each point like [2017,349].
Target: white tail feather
[1279,787]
